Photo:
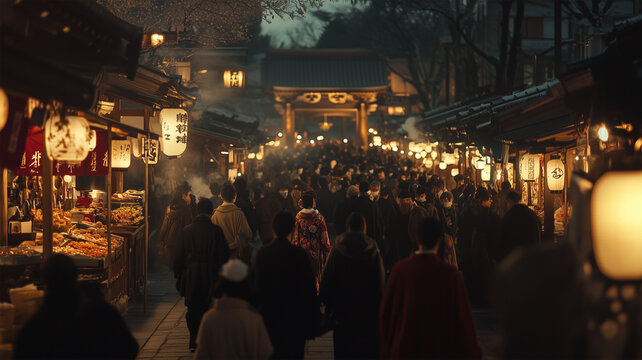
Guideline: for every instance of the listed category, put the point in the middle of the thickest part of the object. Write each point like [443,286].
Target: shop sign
[121,154]
[529,167]
[486,172]
[14,133]
[174,123]
[152,148]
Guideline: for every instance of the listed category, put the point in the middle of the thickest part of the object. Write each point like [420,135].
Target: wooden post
[549,206]
[146,199]
[4,204]
[362,126]
[47,202]
[108,215]
[288,125]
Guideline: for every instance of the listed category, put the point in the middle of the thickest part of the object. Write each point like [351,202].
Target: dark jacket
[286,295]
[351,288]
[178,216]
[364,206]
[401,233]
[266,208]
[200,253]
[519,227]
[325,204]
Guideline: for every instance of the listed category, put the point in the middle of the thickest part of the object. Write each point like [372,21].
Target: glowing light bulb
[603,133]
[280,134]
[345,141]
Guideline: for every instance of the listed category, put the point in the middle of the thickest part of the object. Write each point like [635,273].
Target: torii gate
[327,83]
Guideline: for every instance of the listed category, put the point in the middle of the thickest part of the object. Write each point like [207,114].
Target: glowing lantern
[174,124]
[603,133]
[67,138]
[4,108]
[480,164]
[136,146]
[449,159]
[251,156]
[345,141]
[616,225]
[555,174]
[92,140]
[157,39]
[434,154]
[485,173]
[259,156]
[454,172]
[417,156]
[234,78]
[152,149]
[376,140]
[529,167]
[121,154]
[442,166]
[428,162]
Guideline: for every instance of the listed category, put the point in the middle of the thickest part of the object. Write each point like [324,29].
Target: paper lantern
[137,148]
[449,159]
[174,125]
[480,163]
[443,166]
[603,133]
[121,154]
[251,156]
[485,173]
[428,163]
[454,172]
[616,224]
[555,175]
[4,109]
[235,78]
[434,154]
[376,140]
[529,167]
[67,138]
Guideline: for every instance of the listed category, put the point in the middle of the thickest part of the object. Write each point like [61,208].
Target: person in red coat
[425,312]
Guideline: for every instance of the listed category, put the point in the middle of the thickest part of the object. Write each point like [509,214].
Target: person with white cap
[231,329]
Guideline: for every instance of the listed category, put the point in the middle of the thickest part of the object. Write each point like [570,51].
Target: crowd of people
[369,244]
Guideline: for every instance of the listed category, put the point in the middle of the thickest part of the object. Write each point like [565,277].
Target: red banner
[12,136]
[94,164]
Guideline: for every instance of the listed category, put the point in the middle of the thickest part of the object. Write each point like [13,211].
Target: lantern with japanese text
[234,78]
[174,131]
[121,154]
[485,173]
[152,148]
[529,167]
[555,174]
[67,138]
[616,225]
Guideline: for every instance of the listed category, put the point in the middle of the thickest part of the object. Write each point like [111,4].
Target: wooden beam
[4,204]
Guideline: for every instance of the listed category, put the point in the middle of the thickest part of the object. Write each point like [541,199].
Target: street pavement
[162,332]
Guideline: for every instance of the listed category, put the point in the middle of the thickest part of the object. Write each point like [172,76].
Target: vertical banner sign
[121,154]
[97,161]
[14,133]
[151,150]
[529,169]
[174,124]
[31,163]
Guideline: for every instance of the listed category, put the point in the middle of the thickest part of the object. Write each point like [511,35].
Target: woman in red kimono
[311,233]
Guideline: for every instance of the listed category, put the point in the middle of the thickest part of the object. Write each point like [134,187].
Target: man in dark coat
[200,253]
[425,313]
[177,216]
[478,236]
[351,288]
[519,227]
[286,291]
[345,208]
[367,208]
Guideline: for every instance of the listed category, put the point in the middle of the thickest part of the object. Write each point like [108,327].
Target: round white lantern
[428,163]
[174,124]
[434,154]
[443,166]
[67,138]
[121,154]
[485,173]
[454,172]
[616,225]
[4,109]
[529,167]
[555,175]
[480,164]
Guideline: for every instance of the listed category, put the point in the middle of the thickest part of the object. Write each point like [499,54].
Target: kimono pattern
[311,233]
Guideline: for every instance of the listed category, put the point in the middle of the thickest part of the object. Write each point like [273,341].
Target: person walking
[216,200]
[500,201]
[351,289]
[200,253]
[286,291]
[345,207]
[520,227]
[177,216]
[311,233]
[231,329]
[425,311]
[234,224]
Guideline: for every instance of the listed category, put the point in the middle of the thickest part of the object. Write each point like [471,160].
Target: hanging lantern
[137,149]
[434,155]
[376,140]
[555,175]
[234,78]
[485,173]
[4,109]
[92,140]
[616,225]
[174,131]
[454,172]
[251,156]
[417,156]
[480,163]
[428,162]
[443,165]
[121,154]
[67,138]
[529,167]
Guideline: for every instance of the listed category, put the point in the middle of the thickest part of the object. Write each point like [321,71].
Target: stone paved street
[162,331]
